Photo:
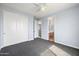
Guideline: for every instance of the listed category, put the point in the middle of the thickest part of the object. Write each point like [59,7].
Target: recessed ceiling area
[39,9]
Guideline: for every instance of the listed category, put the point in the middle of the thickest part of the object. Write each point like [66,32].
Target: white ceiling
[32,9]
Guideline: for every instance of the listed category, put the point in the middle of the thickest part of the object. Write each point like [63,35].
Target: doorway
[51,29]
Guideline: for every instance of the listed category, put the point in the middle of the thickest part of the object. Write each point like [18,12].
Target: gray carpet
[29,48]
[69,50]
[37,47]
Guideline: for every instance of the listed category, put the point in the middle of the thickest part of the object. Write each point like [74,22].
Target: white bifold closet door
[15,28]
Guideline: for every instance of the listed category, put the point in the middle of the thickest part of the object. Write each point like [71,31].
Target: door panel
[22,28]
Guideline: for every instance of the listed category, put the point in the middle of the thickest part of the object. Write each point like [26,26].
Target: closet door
[30,29]
[22,28]
[15,28]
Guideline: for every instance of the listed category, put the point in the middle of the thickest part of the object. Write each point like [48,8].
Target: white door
[22,28]
[36,29]
[15,28]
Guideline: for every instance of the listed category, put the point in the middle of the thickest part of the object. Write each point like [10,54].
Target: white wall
[67,27]
[44,28]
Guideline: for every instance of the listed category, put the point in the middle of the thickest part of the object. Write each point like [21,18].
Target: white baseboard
[68,45]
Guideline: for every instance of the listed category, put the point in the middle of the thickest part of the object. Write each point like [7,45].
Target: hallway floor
[38,47]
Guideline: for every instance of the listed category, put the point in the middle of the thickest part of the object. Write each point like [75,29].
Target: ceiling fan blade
[39,6]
